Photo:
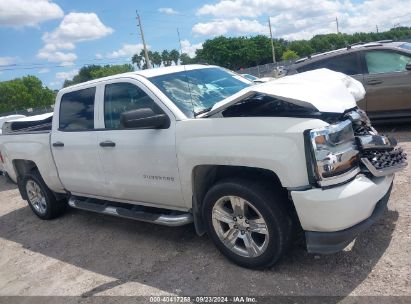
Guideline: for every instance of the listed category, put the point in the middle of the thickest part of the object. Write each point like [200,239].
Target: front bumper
[332,218]
[332,242]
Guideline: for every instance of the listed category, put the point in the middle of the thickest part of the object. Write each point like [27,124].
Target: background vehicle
[256,79]
[249,77]
[248,164]
[384,68]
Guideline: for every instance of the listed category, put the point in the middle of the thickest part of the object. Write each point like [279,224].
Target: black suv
[383,67]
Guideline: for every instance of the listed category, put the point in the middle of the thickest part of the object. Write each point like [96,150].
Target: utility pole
[144,42]
[376,27]
[179,41]
[271,39]
[336,21]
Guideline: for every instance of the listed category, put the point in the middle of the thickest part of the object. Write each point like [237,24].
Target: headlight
[333,153]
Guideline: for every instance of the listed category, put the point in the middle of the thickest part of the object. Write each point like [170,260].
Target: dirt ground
[85,254]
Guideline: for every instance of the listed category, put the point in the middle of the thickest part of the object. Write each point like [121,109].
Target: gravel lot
[85,254]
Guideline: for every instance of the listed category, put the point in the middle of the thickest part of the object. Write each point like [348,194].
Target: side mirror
[144,118]
[408,66]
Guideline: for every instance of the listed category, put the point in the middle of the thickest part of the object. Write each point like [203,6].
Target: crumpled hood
[323,90]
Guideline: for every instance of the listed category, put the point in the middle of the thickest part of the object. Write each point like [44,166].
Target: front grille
[379,155]
[381,159]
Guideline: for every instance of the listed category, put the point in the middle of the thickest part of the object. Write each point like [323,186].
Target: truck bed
[28,140]
[33,124]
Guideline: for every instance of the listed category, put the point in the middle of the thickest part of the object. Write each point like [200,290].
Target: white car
[247,164]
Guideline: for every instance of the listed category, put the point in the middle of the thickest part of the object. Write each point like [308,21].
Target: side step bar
[134,212]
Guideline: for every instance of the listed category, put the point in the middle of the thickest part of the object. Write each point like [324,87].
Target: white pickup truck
[249,164]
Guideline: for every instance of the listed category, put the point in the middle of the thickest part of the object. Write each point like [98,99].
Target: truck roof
[147,73]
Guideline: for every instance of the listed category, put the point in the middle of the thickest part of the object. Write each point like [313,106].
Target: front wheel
[247,222]
[40,198]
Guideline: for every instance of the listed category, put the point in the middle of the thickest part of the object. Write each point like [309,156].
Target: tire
[40,198]
[242,236]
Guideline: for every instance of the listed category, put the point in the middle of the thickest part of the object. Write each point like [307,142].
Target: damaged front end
[339,152]
[379,154]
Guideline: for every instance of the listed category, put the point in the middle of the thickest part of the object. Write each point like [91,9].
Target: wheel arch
[204,176]
[21,168]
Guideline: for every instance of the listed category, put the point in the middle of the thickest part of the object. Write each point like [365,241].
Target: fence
[30,112]
[266,70]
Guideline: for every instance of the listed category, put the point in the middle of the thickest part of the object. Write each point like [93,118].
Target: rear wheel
[40,198]
[247,222]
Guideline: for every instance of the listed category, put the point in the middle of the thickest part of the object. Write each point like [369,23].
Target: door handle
[107,143]
[374,81]
[58,144]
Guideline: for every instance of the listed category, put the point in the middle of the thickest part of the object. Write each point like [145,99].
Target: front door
[387,83]
[74,144]
[140,165]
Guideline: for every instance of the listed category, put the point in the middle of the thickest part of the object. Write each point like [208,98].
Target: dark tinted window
[77,110]
[347,64]
[122,97]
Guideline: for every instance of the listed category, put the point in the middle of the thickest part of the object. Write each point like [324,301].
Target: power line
[62,65]
[46,65]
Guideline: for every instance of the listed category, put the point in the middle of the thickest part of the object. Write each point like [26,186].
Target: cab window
[386,61]
[122,97]
[77,110]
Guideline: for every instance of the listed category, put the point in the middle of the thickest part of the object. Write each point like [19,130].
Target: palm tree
[136,59]
[174,56]
[156,58]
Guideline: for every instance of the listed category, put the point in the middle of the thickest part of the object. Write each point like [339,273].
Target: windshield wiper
[202,111]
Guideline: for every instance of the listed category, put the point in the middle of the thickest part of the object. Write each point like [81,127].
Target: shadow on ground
[177,260]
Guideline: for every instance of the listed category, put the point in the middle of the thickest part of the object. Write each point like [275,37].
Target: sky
[52,39]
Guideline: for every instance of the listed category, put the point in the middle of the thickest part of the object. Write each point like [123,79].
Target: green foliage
[185,59]
[165,57]
[289,55]
[136,59]
[236,52]
[242,52]
[90,72]
[174,56]
[155,58]
[23,93]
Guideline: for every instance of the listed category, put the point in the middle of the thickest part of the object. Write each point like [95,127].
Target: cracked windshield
[196,91]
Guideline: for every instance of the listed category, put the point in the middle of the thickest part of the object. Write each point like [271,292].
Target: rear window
[347,64]
[77,110]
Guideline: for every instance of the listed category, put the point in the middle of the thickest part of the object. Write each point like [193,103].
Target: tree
[90,72]
[156,58]
[289,55]
[136,59]
[23,93]
[174,56]
[165,57]
[185,59]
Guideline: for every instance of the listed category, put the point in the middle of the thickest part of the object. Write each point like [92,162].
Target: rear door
[140,165]
[387,83]
[74,143]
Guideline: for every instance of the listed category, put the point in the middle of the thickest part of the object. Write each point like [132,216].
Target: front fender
[271,143]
